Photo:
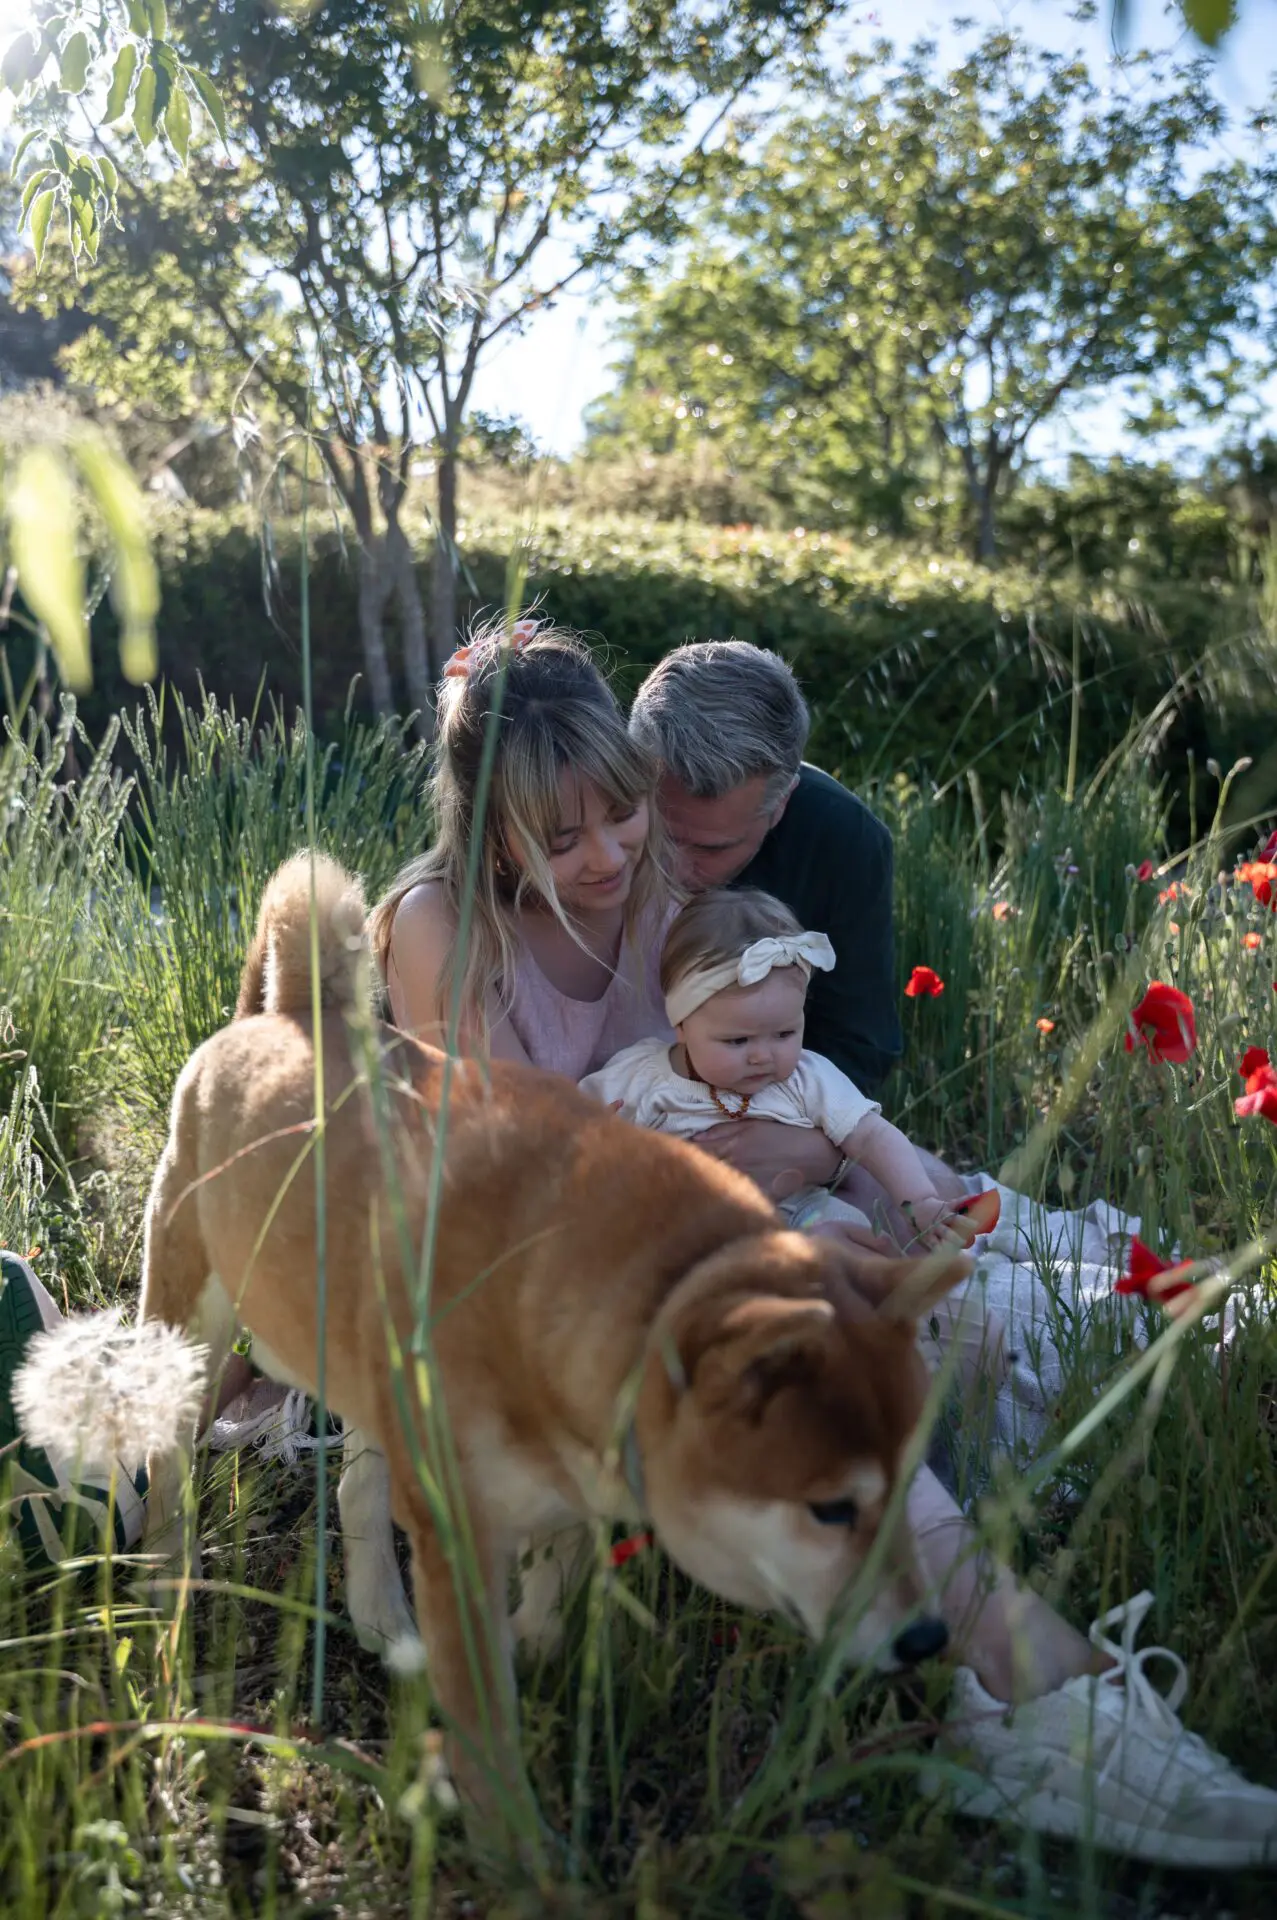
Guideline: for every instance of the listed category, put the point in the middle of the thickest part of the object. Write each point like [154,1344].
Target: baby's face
[748,1038]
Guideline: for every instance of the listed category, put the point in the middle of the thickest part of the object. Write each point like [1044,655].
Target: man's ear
[779,808]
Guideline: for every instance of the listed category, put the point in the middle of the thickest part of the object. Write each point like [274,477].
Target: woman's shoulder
[422,933]
[424,908]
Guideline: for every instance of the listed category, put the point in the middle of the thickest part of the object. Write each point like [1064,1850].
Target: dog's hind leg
[375,1597]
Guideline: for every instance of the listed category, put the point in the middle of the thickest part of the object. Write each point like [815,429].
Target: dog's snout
[922,1641]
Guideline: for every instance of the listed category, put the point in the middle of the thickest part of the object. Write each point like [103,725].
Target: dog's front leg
[463,1613]
[375,1597]
[550,1566]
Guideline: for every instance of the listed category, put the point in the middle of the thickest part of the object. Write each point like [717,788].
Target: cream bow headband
[805,950]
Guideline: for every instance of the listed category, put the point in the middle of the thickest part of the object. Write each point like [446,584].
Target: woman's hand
[770,1152]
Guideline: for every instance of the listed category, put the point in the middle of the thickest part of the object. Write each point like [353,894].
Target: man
[728,725]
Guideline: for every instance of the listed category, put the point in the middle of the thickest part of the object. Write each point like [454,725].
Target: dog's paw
[381,1617]
[538,1634]
[405,1655]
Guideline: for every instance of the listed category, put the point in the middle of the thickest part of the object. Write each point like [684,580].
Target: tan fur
[277,970]
[575,1256]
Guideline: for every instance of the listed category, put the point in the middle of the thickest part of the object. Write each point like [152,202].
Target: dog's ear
[756,1345]
[919,1285]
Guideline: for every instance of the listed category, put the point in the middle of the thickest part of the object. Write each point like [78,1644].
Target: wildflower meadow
[1090,1012]
[935,354]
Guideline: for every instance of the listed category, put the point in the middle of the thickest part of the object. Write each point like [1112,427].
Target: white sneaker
[1105,1759]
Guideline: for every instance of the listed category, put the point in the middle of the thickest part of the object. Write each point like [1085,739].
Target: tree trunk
[984,490]
[443,572]
[986,537]
[420,671]
[374,591]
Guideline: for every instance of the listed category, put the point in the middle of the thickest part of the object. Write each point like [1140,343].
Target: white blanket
[1046,1276]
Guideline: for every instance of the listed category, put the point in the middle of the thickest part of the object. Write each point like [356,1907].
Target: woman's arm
[421,941]
[768,1150]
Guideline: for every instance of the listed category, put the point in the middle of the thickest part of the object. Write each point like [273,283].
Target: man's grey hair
[716,713]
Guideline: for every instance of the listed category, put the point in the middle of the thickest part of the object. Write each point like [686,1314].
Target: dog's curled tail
[277,971]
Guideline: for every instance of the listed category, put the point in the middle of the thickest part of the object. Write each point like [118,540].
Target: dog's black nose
[922,1641]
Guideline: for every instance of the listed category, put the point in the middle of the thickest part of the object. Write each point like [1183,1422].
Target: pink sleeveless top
[576,1037]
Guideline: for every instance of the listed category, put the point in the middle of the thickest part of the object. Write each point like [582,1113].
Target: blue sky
[549,375]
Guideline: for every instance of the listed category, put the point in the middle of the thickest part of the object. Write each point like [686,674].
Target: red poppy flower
[1176,891]
[924,983]
[1144,871]
[626,1549]
[1262,874]
[1045,1025]
[1003,910]
[1151,1277]
[1269,848]
[1252,1060]
[1252,942]
[1260,1096]
[1166,1022]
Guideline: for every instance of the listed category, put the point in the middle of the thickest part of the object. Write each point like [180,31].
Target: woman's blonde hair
[716,927]
[550,708]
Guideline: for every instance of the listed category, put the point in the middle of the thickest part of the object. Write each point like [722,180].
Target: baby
[734,972]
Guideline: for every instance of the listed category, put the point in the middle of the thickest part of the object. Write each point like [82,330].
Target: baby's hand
[934,1224]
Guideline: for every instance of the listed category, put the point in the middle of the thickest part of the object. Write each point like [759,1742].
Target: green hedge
[909,659]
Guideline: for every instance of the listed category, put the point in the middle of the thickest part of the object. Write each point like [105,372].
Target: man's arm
[852,1015]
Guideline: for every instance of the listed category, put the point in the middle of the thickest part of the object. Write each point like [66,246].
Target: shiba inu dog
[614,1325]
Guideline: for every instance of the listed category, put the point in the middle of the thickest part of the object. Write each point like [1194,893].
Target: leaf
[32,134]
[73,68]
[41,214]
[138,22]
[85,215]
[30,189]
[157,13]
[144,106]
[210,98]
[135,584]
[117,99]
[18,64]
[177,123]
[110,177]
[1210,19]
[44,541]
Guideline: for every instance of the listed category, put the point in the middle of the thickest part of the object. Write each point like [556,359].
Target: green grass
[713,1768]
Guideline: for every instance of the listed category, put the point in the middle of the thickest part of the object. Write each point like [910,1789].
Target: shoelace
[1154,1713]
[286,1438]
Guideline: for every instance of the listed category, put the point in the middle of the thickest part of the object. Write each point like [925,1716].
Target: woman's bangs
[604,754]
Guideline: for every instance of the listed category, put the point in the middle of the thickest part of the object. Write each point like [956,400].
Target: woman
[555,963]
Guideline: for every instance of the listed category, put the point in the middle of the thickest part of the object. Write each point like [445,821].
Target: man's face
[714,840]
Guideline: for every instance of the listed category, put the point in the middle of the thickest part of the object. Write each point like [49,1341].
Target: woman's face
[596,849]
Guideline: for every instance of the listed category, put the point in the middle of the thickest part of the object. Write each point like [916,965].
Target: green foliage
[126,49]
[57,471]
[57,866]
[443,149]
[202,839]
[894,289]
[909,661]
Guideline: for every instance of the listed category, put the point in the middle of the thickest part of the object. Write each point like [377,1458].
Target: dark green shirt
[830,861]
